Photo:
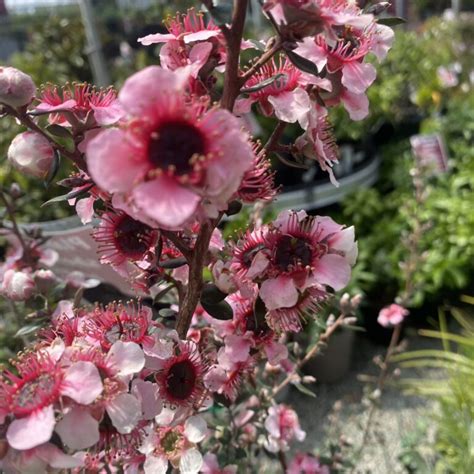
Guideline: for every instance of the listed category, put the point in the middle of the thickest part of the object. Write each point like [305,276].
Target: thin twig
[275,136]
[16,230]
[262,60]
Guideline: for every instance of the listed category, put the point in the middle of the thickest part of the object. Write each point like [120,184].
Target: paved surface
[339,409]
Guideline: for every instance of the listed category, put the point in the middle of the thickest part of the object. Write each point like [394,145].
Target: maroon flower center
[132,237]
[35,393]
[292,252]
[181,380]
[176,146]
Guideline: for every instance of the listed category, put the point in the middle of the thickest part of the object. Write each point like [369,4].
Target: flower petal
[78,429]
[333,270]
[155,465]
[33,430]
[166,201]
[126,358]
[357,77]
[125,412]
[82,382]
[190,462]
[279,292]
[291,106]
[195,429]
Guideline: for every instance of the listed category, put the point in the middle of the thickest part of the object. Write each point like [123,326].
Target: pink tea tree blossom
[189,382]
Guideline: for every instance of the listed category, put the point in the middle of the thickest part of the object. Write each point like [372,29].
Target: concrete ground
[341,409]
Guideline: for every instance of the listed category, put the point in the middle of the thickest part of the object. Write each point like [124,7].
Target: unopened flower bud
[349,321]
[32,154]
[45,280]
[308,379]
[16,87]
[356,301]
[17,285]
[15,191]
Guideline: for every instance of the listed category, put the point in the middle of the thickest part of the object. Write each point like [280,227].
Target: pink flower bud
[45,280]
[16,87]
[31,153]
[17,286]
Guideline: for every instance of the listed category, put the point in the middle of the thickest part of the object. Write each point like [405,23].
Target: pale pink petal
[78,429]
[66,105]
[333,270]
[85,209]
[199,55]
[215,378]
[276,352]
[243,106]
[237,347]
[278,293]
[344,241]
[147,393]
[125,412]
[155,465]
[190,461]
[166,201]
[357,105]
[291,106]
[82,382]
[308,49]
[195,429]
[382,41]
[126,358]
[259,263]
[156,38]
[113,162]
[202,35]
[357,77]
[142,91]
[108,115]
[56,458]
[33,430]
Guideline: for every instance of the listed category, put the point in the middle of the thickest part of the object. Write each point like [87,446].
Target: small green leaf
[29,329]
[303,64]
[173,263]
[65,197]
[233,208]
[304,390]
[59,131]
[167,313]
[391,21]
[263,84]
[212,295]
[222,310]
[257,44]
[53,170]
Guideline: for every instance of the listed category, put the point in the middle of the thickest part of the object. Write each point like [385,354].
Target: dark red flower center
[132,237]
[181,379]
[176,146]
[292,252]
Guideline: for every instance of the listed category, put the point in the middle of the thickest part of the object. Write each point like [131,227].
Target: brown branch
[275,136]
[263,59]
[174,238]
[16,230]
[321,342]
[234,40]
[193,291]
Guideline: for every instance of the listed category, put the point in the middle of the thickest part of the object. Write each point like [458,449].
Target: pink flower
[258,182]
[392,315]
[318,142]
[32,395]
[17,285]
[285,97]
[17,89]
[211,466]
[304,463]
[81,101]
[122,240]
[283,426]
[190,41]
[173,154]
[180,378]
[32,154]
[176,445]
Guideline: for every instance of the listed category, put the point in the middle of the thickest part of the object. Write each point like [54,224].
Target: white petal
[125,412]
[190,462]
[78,429]
[195,429]
[82,382]
[126,358]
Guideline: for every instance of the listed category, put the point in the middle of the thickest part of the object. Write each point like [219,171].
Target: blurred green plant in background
[453,446]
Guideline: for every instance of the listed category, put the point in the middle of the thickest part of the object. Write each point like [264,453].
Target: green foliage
[454,392]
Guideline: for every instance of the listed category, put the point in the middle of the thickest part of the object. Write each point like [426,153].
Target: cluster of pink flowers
[158,164]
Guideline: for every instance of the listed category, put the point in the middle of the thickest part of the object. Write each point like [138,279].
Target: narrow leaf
[53,171]
[29,329]
[71,195]
[167,313]
[212,295]
[173,263]
[303,64]
[263,84]
[222,13]
[59,131]
[304,390]
[222,310]
[391,21]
